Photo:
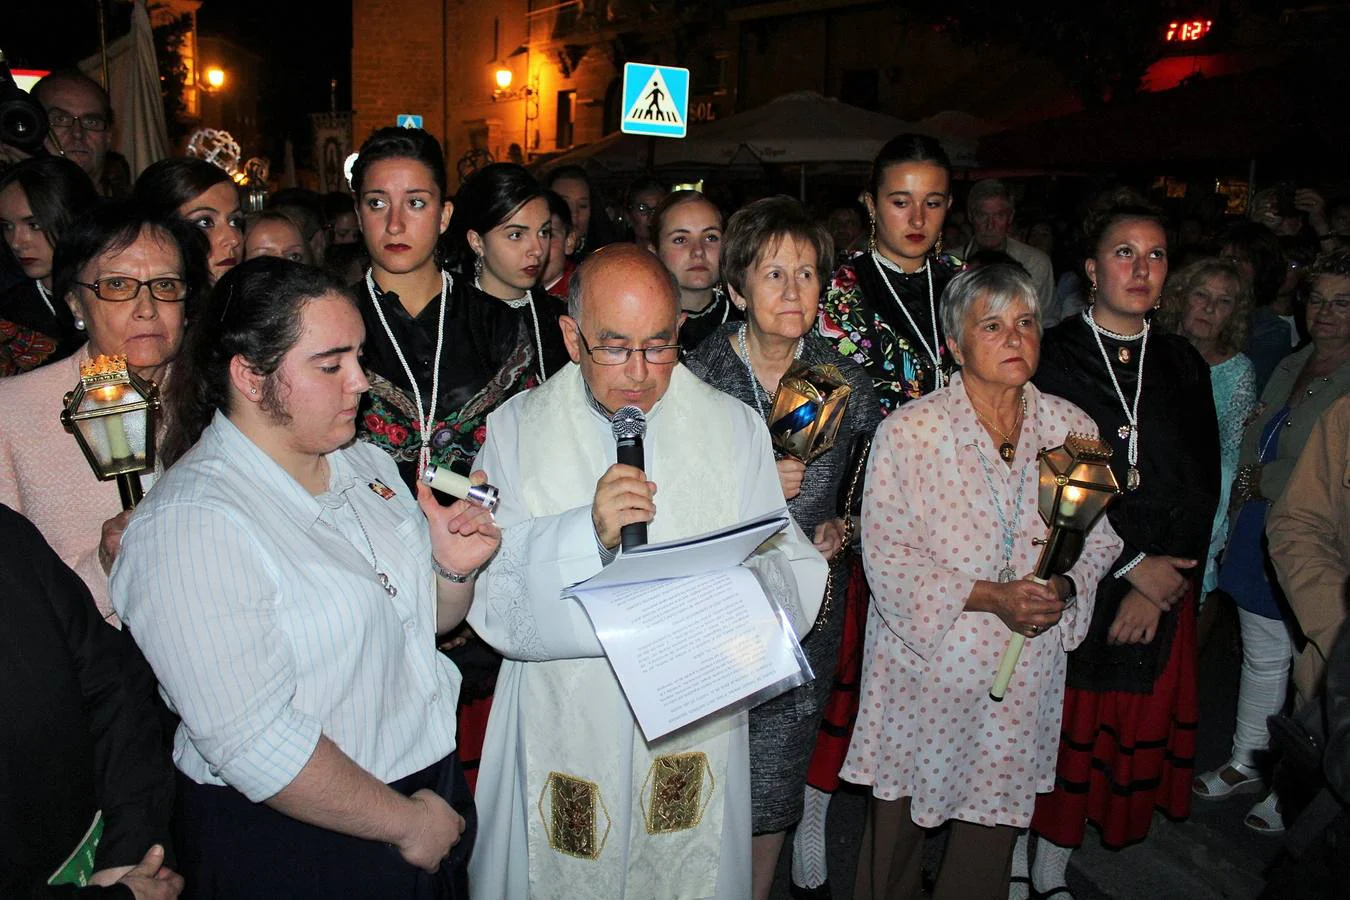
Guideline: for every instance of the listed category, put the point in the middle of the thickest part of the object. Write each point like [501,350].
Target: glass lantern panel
[116,440]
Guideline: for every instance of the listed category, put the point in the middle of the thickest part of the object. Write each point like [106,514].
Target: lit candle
[1070,500]
[118,445]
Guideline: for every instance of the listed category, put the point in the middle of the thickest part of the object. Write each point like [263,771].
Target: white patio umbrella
[133,86]
[806,128]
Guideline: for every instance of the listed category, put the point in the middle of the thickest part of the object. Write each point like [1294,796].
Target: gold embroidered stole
[592,781]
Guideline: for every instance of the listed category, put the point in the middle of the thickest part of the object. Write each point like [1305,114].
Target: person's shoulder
[1057,409]
[713,349]
[1027,254]
[919,418]
[19,392]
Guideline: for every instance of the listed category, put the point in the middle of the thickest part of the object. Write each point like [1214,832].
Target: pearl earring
[79,324]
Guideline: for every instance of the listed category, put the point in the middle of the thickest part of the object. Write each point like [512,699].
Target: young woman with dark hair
[439,354]
[1130,705]
[310,745]
[686,235]
[499,238]
[880,309]
[592,226]
[39,197]
[204,196]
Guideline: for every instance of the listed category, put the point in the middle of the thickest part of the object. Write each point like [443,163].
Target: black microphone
[629,426]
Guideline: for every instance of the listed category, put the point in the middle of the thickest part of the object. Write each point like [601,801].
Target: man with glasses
[573,801]
[81,119]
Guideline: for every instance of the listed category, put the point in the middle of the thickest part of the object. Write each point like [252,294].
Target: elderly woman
[949,523]
[773,257]
[296,637]
[130,279]
[1302,387]
[1209,303]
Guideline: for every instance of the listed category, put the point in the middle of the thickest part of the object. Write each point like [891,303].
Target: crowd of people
[292,670]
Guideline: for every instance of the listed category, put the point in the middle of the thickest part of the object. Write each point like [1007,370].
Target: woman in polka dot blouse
[948,523]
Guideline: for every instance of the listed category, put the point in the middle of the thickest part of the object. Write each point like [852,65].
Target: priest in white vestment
[573,802]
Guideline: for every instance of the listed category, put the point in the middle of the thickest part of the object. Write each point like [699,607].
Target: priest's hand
[433,829]
[623,496]
[110,541]
[463,535]
[790,474]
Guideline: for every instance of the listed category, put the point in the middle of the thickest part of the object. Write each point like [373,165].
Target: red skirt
[470,729]
[1122,755]
[841,710]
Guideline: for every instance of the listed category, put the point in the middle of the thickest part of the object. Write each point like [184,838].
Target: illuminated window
[1188,30]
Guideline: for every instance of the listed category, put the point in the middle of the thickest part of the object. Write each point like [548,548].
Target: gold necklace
[1008,449]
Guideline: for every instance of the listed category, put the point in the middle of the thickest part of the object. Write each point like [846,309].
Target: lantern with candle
[112,413]
[1076,486]
[808,409]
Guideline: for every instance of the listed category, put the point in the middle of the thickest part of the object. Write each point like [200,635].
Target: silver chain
[426,415]
[374,560]
[938,378]
[45,294]
[755,388]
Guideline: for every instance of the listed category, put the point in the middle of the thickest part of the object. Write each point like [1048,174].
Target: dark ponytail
[254,311]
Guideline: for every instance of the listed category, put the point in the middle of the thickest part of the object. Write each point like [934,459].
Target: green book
[79,865]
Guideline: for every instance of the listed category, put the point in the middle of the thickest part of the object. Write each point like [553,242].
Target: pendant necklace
[1007,573]
[374,560]
[425,414]
[883,263]
[525,299]
[1008,449]
[1130,431]
[45,294]
[755,388]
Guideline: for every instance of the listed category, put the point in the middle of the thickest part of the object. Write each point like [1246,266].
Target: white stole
[690,449]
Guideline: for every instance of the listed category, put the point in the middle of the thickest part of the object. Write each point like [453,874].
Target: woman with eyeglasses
[130,280]
[39,197]
[1301,388]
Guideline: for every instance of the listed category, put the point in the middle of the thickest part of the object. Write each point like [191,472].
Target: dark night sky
[303,44]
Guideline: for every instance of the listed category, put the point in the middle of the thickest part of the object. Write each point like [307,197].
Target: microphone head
[628,423]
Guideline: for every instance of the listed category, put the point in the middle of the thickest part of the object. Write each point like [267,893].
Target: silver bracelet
[452,577]
[1125,569]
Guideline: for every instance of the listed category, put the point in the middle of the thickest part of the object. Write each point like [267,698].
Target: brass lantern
[1076,486]
[113,414]
[808,409]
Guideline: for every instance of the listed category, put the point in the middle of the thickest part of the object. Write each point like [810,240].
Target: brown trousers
[890,865]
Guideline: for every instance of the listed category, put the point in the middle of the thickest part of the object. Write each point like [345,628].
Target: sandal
[1213,786]
[1264,817]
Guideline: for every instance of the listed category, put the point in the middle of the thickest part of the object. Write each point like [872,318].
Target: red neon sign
[1192,30]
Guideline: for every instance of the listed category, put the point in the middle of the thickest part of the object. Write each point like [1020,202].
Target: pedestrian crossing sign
[655,100]
[408,120]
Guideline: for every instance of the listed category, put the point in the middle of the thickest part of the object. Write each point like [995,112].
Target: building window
[567,119]
[860,87]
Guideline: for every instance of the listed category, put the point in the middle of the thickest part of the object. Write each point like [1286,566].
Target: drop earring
[872,240]
[477,266]
[79,324]
[937,245]
[1092,293]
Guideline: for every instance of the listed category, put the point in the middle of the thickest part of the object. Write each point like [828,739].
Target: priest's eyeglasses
[664,355]
[120,289]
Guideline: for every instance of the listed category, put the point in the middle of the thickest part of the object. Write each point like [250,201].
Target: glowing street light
[215,78]
[503,78]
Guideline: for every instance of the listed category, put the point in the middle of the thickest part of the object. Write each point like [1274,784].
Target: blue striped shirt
[258,606]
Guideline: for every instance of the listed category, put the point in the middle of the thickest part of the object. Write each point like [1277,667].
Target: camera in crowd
[23,123]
